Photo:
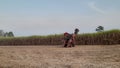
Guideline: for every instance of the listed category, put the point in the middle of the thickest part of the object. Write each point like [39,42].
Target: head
[76,31]
[66,33]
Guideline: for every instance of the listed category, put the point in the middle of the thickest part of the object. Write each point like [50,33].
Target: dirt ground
[82,56]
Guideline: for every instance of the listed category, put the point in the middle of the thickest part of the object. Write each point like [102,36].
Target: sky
[44,17]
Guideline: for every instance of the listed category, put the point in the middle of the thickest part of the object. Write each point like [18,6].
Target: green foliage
[6,34]
[10,34]
[1,33]
[100,28]
[99,38]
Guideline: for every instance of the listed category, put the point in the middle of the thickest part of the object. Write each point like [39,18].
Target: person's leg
[66,43]
[72,43]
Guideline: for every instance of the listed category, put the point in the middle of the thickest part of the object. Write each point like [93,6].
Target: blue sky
[44,17]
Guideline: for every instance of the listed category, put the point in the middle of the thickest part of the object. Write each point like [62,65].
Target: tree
[6,34]
[10,34]
[100,28]
[1,33]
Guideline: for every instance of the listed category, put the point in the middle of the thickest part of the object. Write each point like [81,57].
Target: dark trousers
[66,42]
[71,44]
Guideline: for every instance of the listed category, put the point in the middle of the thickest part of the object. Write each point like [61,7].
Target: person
[69,39]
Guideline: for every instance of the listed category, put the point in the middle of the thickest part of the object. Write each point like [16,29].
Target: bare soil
[82,56]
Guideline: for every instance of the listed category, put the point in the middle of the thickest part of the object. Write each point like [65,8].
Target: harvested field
[83,56]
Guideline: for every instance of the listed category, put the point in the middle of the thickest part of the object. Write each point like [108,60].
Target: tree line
[6,34]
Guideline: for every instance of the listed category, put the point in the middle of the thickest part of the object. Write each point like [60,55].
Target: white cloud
[92,5]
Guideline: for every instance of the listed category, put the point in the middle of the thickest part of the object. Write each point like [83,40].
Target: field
[111,37]
[83,56]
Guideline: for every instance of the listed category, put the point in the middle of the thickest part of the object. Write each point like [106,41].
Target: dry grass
[87,56]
